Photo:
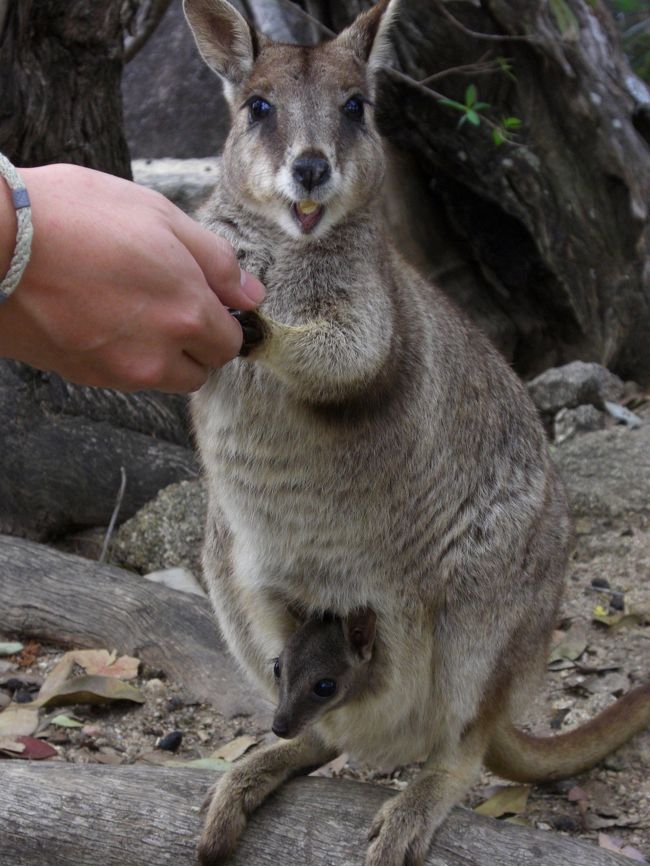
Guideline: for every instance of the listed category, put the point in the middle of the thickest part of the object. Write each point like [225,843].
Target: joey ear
[367,36]
[228,44]
[359,629]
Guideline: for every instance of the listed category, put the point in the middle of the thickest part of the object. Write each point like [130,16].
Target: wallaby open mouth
[307,214]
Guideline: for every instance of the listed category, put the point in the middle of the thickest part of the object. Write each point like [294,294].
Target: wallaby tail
[525,758]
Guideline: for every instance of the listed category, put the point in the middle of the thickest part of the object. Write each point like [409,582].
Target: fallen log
[80,815]
[63,598]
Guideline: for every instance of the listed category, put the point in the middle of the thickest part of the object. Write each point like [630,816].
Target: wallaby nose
[280,728]
[311,171]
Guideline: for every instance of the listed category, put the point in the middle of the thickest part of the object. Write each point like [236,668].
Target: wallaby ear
[228,44]
[359,629]
[367,36]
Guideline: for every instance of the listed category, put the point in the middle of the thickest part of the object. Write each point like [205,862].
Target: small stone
[23,696]
[155,688]
[170,742]
[617,601]
[566,824]
[600,583]
[570,422]
[5,700]
[574,384]
[175,703]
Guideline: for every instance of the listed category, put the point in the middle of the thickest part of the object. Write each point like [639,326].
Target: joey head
[325,664]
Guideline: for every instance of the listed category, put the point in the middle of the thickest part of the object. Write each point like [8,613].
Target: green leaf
[478,106]
[473,117]
[453,104]
[470,95]
[66,721]
[13,647]
[512,122]
[565,19]
[497,136]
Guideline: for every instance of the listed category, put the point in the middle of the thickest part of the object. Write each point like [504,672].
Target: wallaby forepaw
[224,823]
[253,329]
[398,836]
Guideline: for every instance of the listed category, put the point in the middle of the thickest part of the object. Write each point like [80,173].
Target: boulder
[607,473]
[166,533]
[582,419]
[186,182]
[574,384]
[64,446]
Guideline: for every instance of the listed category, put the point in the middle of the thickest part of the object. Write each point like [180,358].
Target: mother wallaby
[372,451]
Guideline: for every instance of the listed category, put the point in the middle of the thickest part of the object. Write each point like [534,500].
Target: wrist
[8,228]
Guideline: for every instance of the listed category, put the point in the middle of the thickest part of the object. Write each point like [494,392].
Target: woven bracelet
[23,248]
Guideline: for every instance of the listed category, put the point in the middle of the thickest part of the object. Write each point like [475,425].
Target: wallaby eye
[325,688]
[276,669]
[259,108]
[353,108]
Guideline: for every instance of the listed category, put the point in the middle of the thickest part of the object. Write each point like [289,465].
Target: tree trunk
[81,815]
[60,70]
[544,242]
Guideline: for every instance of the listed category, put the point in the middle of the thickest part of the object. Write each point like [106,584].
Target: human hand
[122,290]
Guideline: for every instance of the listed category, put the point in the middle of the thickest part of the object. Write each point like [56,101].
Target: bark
[545,242]
[74,815]
[60,70]
[64,446]
[67,600]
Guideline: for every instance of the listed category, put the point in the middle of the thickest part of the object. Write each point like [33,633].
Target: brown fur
[373,451]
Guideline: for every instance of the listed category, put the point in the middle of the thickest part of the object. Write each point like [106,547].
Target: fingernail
[252,287]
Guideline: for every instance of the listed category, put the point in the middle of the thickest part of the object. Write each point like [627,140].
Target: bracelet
[23,248]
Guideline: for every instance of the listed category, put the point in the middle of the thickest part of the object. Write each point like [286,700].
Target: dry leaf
[90,690]
[106,664]
[65,721]
[570,645]
[18,720]
[57,676]
[510,800]
[234,749]
[9,744]
[35,750]
[613,843]
[332,767]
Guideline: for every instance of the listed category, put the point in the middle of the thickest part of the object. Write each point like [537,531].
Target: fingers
[217,259]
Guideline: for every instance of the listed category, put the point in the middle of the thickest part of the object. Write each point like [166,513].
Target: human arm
[122,289]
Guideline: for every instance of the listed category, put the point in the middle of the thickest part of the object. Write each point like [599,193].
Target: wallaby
[371,451]
[325,664]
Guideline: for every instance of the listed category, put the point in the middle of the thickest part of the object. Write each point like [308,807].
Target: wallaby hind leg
[402,830]
[240,791]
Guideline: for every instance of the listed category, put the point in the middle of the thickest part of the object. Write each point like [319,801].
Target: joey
[325,664]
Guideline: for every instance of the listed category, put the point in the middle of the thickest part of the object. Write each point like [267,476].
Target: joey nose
[311,171]
[280,728]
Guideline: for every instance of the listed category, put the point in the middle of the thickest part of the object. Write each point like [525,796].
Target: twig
[479,67]
[491,37]
[116,511]
[145,24]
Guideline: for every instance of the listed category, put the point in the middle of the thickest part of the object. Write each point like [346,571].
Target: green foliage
[470,109]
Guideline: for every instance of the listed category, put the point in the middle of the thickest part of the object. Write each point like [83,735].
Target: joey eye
[276,669]
[259,108]
[325,688]
[353,108]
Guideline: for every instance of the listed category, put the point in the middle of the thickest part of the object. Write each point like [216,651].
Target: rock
[173,105]
[64,445]
[607,474]
[582,419]
[574,385]
[166,533]
[186,182]
[179,579]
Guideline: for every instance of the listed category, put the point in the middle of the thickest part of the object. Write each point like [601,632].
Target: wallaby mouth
[307,214]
